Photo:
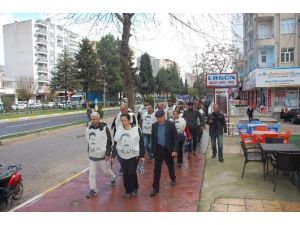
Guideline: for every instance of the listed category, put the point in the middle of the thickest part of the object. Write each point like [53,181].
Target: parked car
[293,115]
[35,106]
[50,104]
[64,104]
[19,106]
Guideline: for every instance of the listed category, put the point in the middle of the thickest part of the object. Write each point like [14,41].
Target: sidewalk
[184,197]
[224,189]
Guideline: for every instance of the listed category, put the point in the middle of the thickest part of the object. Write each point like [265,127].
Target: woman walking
[130,149]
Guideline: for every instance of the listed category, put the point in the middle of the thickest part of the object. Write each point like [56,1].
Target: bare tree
[126,24]
[25,88]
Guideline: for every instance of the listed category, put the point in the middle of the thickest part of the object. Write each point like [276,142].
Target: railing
[43,31]
[42,78]
[42,50]
[42,40]
[42,69]
[42,60]
[41,22]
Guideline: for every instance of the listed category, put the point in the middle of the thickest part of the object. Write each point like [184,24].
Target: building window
[287,55]
[264,30]
[287,26]
[263,55]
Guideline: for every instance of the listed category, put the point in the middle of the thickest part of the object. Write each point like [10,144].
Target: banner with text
[221,80]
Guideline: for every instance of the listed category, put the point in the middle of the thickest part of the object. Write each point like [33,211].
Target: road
[48,159]
[11,128]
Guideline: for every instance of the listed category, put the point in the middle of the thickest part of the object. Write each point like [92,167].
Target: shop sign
[278,77]
[221,80]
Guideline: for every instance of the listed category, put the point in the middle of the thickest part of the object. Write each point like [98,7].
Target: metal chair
[283,161]
[253,154]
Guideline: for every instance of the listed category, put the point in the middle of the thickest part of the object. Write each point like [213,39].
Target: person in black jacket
[217,125]
[164,139]
[193,119]
[250,112]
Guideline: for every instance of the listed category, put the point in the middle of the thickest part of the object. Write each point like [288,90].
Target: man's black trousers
[162,154]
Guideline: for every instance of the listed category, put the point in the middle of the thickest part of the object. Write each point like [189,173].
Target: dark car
[292,115]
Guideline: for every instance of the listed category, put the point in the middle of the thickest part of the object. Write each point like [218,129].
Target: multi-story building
[157,64]
[190,79]
[272,60]
[31,49]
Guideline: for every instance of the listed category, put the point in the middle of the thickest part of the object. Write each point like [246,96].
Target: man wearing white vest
[99,150]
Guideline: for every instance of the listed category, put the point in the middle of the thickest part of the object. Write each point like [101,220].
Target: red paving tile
[184,197]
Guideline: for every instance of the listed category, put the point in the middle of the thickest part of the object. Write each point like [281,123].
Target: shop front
[273,88]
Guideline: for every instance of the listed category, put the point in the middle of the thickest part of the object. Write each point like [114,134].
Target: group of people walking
[160,132]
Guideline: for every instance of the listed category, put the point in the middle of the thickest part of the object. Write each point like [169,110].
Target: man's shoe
[134,193]
[153,193]
[221,160]
[126,195]
[113,183]
[213,157]
[194,152]
[91,194]
[173,183]
[179,165]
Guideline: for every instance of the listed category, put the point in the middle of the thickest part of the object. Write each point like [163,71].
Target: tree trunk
[125,60]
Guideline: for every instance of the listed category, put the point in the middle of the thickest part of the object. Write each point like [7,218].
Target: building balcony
[265,16]
[266,40]
[42,22]
[43,69]
[41,31]
[43,79]
[59,37]
[42,40]
[265,65]
[43,50]
[42,60]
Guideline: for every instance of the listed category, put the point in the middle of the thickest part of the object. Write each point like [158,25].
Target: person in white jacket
[99,151]
[180,126]
[147,120]
[130,150]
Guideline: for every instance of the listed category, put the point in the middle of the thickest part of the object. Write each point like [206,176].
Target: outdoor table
[259,132]
[271,148]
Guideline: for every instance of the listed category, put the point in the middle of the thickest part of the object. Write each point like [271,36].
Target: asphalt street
[11,128]
[48,159]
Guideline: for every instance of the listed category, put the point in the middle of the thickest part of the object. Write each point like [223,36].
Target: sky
[159,38]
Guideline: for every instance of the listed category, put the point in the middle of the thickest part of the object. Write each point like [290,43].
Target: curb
[38,197]
[49,115]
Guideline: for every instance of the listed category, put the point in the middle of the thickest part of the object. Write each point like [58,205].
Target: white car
[51,104]
[19,106]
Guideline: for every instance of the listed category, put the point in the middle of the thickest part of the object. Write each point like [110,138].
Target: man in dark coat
[164,139]
[217,125]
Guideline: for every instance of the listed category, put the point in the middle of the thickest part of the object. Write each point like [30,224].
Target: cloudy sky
[159,37]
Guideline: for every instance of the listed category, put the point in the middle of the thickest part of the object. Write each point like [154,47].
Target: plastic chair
[263,138]
[249,139]
[286,136]
[288,162]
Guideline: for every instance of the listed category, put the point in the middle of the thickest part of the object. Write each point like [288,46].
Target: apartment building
[272,60]
[31,49]
[157,64]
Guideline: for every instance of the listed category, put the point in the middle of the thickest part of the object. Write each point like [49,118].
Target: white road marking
[27,124]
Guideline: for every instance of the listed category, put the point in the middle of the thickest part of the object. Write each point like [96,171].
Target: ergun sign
[221,80]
